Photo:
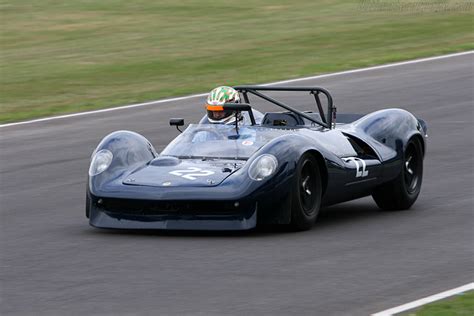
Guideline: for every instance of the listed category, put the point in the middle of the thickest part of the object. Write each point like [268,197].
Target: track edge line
[425,300]
[345,72]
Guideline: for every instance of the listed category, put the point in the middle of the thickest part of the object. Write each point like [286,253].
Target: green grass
[67,56]
[459,305]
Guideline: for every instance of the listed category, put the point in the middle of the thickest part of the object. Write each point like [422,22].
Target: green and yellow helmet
[216,99]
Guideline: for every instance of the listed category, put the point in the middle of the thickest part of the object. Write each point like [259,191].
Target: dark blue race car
[279,169]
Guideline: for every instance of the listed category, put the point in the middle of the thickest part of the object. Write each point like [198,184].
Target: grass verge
[68,56]
[458,305]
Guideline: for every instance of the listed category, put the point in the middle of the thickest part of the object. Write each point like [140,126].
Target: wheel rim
[308,194]
[411,169]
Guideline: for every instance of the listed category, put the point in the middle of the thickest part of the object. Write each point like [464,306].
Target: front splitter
[245,221]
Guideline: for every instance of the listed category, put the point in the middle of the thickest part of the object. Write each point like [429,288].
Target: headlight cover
[263,167]
[100,162]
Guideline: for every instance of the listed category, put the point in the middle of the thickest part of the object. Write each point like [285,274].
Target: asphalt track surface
[356,261]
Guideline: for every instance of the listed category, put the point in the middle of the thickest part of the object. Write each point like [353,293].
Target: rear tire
[306,193]
[402,192]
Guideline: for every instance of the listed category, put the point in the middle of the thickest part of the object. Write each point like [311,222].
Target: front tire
[306,193]
[402,192]
[88,203]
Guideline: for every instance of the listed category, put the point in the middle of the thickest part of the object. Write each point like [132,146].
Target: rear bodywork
[202,182]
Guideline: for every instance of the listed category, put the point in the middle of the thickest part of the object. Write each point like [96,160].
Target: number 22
[191,173]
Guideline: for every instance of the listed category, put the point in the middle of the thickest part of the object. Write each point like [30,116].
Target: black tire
[306,193]
[88,204]
[402,192]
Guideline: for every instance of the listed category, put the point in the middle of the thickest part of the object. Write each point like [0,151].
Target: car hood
[174,172]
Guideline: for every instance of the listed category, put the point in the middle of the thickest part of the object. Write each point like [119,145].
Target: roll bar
[328,119]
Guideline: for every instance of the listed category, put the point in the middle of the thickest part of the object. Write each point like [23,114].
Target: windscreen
[220,141]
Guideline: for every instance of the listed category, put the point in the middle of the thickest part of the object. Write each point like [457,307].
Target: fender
[289,149]
[390,127]
[388,132]
[130,151]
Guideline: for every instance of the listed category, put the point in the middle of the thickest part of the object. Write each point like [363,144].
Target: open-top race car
[279,169]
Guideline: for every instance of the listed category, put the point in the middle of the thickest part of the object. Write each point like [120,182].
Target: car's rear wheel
[306,193]
[402,192]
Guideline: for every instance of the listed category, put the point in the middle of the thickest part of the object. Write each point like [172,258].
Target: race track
[356,261]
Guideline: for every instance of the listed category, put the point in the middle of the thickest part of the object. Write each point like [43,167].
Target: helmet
[215,100]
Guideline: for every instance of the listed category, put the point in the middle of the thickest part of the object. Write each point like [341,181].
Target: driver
[216,99]
[216,115]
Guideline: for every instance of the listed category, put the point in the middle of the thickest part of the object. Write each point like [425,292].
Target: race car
[281,169]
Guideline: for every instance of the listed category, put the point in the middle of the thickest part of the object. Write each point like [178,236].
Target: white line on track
[426,300]
[414,61]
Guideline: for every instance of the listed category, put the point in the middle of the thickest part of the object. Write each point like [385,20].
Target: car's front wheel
[88,204]
[402,192]
[306,193]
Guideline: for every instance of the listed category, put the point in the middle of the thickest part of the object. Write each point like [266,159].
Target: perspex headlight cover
[100,162]
[263,167]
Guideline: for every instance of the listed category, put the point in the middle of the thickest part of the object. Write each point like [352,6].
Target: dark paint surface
[347,176]
[355,261]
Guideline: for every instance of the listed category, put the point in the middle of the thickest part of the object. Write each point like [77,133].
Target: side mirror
[177,122]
